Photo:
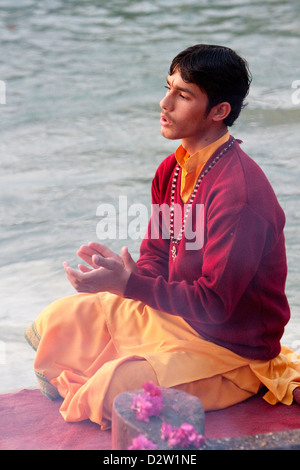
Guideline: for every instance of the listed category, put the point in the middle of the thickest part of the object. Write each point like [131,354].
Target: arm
[232,255]
[154,256]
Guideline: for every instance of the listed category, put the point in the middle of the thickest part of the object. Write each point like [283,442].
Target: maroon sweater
[231,288]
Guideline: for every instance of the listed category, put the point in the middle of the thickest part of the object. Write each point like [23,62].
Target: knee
[130,375]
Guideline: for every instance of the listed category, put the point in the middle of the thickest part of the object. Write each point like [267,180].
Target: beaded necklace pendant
[174,252]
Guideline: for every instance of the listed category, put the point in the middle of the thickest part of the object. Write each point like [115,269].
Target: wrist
[123,279]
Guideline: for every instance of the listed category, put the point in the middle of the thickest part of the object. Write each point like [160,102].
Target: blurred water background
[80,127]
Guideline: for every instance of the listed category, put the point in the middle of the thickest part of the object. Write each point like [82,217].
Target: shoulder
[256,186]
[240,182]
[166,167]
[163,176]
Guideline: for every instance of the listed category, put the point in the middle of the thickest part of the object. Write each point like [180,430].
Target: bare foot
[296,394]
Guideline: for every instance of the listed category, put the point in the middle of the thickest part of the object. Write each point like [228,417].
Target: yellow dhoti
[89,347]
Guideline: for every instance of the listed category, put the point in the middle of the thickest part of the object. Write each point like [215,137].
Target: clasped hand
[108,271]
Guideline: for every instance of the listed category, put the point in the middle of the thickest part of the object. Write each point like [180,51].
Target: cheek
[199,119]
[194,113]
[193,122]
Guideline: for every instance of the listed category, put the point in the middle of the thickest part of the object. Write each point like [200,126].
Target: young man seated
[204,308]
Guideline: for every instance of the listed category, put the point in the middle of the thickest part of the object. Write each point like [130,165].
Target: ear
[220,111]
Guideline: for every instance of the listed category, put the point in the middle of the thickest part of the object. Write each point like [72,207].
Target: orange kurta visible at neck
[192,165]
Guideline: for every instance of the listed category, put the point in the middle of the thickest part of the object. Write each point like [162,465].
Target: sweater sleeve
[235,247]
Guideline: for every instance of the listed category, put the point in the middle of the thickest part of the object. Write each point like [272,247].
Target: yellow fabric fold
[83,340]
[281,376]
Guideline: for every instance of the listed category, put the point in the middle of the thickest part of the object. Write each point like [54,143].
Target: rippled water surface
[81,126]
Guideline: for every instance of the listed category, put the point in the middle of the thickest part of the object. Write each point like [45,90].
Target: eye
[168,87]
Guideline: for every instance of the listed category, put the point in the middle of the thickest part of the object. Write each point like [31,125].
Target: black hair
[218,71]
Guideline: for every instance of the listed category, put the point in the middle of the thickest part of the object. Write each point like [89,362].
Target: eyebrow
[185,90]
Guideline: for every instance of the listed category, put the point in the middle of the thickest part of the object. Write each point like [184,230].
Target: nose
[166,102]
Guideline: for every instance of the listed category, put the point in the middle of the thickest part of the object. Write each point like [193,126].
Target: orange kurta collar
[192,165]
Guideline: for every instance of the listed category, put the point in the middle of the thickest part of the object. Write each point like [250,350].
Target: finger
[83,268]
[86,253]
[66,266]
[129,263]
[72,273]
[104,251]
[86,250]
[74,277]
[107,263]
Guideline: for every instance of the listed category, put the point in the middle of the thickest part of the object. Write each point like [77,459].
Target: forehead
[175,80]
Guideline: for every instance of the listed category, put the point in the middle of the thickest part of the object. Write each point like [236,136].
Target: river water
[79,93]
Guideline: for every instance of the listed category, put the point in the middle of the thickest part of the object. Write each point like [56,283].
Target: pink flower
[148,404]
[182,437]
[165,431]
[142,443]
[191,435]
[151,389]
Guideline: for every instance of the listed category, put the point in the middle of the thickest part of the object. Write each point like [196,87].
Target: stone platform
[180,407]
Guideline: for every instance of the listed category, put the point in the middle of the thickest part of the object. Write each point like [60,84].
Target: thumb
[101,262]
[129,263]
[96,260]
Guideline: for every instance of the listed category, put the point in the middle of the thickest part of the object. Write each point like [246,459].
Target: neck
[193,146]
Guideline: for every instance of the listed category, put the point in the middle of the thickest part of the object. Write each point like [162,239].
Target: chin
[168,135]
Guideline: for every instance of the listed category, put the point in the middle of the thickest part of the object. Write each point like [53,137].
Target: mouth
[164,121]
